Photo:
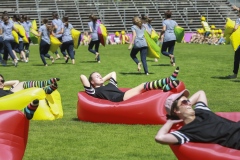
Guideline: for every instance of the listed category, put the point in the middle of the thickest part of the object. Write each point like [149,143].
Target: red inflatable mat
[146,108]
[13,135]
[207,151]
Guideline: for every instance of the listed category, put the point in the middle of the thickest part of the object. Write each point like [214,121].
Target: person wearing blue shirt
[169,37]
[44,32]
[8,40]
[27,26]
[93,27]
[67,41]
[57,29]
[138,43]
[19,46]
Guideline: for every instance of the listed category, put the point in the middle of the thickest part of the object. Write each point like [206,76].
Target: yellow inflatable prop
[102,34]
[153,48]
[55,43]
[21,99]
[76,36]
[34,25]
[179,32]
[15,36]
[154,36]
[229,26]
[22,32]
[34,38]
[228,29]
[49,108]
[50,105]
[235,39]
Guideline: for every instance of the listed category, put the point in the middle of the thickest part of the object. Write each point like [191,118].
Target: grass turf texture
[201,67]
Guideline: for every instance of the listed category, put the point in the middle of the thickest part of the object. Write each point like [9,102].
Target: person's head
[16,18]
[178,106]
[5,19]
[149,20]
[55,15]
[95,79]
[25,18]
[1,81]
[123,32]
[65,19]
[45,21]
[144,18]
[137,21]
[168,14]
[117,34]
[93,18]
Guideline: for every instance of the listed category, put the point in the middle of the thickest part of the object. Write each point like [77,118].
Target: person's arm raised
[84,81]
[110,75]
[198,96]
[163,136]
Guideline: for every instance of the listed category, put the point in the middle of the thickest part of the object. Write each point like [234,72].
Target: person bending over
[200,124]
[95,87]
[48,86]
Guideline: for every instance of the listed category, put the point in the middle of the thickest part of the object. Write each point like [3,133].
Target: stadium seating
[117,14]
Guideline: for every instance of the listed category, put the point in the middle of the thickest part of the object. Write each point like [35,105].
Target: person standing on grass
[67,41]
[237,52]
[27,25]
[44,32]
[169,38]
[93,27]
[19,46]
[57,29]
[6,30]
[138,43]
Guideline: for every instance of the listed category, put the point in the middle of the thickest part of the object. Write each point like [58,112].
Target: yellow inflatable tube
[21,99]
[49,108]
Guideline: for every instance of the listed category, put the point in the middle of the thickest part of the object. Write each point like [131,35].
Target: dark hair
[25,17]
[168,14]
[65,18]
[55,15]
[1,76]
[144,17]
[94,19]
[17,17]
[174,107]
[90,78]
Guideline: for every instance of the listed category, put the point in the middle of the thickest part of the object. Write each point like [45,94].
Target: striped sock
[171,85]
[30,109]
[51,88]
[159,84]
[39,84]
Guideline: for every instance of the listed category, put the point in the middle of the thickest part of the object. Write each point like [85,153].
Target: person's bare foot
[139,67]
[96,56]
[52,59]
[171,58]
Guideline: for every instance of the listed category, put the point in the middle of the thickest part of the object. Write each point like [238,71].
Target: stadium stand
[117,14]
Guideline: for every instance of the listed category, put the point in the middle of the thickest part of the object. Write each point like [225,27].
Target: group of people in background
[9,45]
[208,35]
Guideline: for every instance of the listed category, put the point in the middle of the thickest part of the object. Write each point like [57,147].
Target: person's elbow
[160,139]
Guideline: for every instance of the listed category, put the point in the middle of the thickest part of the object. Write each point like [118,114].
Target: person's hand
[130,46]
[174,121]
[235,8]
[20,35]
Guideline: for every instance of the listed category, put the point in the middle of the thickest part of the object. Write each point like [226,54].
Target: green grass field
[202,67]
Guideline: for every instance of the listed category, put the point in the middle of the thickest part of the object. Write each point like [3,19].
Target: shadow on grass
[88,61]
[133,73]
[236,80]
[75,119]
[221,77]
[161,65]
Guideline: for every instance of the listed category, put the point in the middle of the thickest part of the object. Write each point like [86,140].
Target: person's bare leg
[134,91]
[18,87]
